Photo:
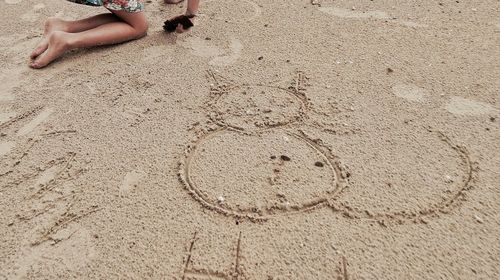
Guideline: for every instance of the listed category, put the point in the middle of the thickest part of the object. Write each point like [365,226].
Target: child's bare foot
[52,24]
[58,42]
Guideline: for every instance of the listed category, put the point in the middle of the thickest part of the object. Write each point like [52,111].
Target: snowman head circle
[256,107]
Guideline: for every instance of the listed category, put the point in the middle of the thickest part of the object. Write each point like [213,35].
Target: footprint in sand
[466,107]
[225,10]
[218,56]
[130,181]
[34,13]
[354,14]
[409,92]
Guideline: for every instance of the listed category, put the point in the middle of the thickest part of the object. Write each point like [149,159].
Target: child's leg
[56,24]
[129,26]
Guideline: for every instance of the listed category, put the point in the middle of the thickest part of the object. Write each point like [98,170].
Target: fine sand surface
[280,139]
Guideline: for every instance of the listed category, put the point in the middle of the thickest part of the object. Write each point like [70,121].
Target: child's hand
[181,29]
[179,24]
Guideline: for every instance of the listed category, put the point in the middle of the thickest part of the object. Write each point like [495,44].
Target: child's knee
[142,29]
[136,20]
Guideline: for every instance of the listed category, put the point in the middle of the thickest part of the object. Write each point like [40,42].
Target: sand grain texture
[278,139]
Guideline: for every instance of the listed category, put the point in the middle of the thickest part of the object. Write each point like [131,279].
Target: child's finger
[179,28]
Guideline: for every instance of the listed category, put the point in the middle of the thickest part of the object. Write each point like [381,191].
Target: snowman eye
[285,158]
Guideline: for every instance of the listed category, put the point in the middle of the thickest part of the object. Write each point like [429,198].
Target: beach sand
[278,139]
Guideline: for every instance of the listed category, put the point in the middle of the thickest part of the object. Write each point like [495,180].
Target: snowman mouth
[225,174]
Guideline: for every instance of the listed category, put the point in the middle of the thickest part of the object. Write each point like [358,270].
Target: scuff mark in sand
[131,181]
[236,47]
[346,13]
[466,107]
[354,14]
[6,147]
[409,92]
[219,56]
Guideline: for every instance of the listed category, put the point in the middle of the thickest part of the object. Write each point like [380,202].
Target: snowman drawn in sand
[255,161]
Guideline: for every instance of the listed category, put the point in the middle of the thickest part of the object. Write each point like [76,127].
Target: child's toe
[42,46]
[38,51]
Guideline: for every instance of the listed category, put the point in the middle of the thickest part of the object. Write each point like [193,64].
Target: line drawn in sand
[49,175]
[293,154]
[75,250]
[343,271]
[4,117]
[286,201]
[40,116]
[57,240]
[189,272]
[448,202]
[270,108]
[20,126]
[63,222]
[275,194]
[39,119]
[9,119]
[13,130]
[236,271]
[20,117]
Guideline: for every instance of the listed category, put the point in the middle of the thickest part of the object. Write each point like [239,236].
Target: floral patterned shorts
[131,6]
